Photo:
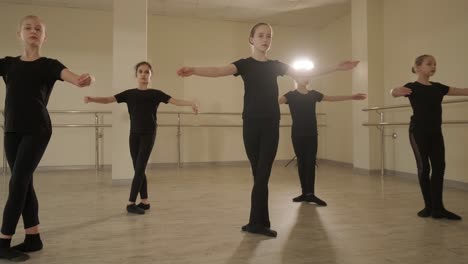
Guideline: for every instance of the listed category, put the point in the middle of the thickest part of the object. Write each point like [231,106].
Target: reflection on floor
[197,213]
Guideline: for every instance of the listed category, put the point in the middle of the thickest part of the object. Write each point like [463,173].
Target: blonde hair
[30,17]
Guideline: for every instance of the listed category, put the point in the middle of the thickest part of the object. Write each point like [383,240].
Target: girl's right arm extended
[99,100]
[400,91]
[207,71]
[338,98]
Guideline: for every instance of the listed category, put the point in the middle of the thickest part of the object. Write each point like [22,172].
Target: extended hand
[359,96]
[185,71]
[347,65]
[85,80]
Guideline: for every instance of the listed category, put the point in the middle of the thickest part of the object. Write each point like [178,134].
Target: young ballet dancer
[425,133]
[142,103]
[29,79]
[304,133]
[260,115]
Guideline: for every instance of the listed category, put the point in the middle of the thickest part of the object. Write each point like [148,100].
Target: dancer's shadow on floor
[246,249]
[308,241]
[80,225]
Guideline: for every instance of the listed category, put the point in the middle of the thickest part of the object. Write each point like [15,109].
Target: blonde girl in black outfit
[304,133]
[261,114]
[142,103]
[425,133]
[29,80]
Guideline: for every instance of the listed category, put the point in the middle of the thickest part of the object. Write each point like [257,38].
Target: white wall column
[130,46]
[367,47]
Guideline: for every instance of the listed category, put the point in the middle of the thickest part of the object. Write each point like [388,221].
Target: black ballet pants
[429,151]
[261,138]
[23,152]
[141,145]
[305,148]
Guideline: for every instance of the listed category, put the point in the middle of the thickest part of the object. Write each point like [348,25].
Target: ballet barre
[97,133]
[378,108]
[447,122]
[179,125]
[382,124]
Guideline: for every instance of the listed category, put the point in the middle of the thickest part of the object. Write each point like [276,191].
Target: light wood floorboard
[197,213]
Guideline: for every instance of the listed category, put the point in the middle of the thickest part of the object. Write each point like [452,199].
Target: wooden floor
[197,213]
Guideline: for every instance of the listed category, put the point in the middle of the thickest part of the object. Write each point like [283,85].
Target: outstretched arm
[400,91]
[458,91]
[207,71]
[82,80]
[99,100]
[358,96]
[179,102]
[344,66]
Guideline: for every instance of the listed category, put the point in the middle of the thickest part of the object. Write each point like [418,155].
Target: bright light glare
[303,64]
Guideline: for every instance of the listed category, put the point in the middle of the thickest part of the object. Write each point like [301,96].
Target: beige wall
[204,43]
[336,137]
[432,27]
[85,45]
[410,28]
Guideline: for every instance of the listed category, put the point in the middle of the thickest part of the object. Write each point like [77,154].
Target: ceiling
[310,13]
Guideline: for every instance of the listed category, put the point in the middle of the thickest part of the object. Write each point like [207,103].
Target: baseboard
[72,167]
[199,164]
[359,171]
[414,177]
[341,164]
[121,182]
[193,164]
[346,165]
[157,165]
[210,163]
[366,172]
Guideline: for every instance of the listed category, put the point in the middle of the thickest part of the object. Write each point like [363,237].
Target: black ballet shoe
[299,198]
[444,213]
[426,212]
[133,209]
[260,230]
[13,255]
[144,206]
[32,243]
[314,199]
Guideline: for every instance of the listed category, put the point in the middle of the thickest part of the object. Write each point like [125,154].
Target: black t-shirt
[260,86]
[302,107]
[28,87]
[426,101]
[142,106]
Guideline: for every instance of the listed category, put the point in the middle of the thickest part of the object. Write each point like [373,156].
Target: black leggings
[429,147]
[141,146]
[261,143]
[305,149]
[23,152]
